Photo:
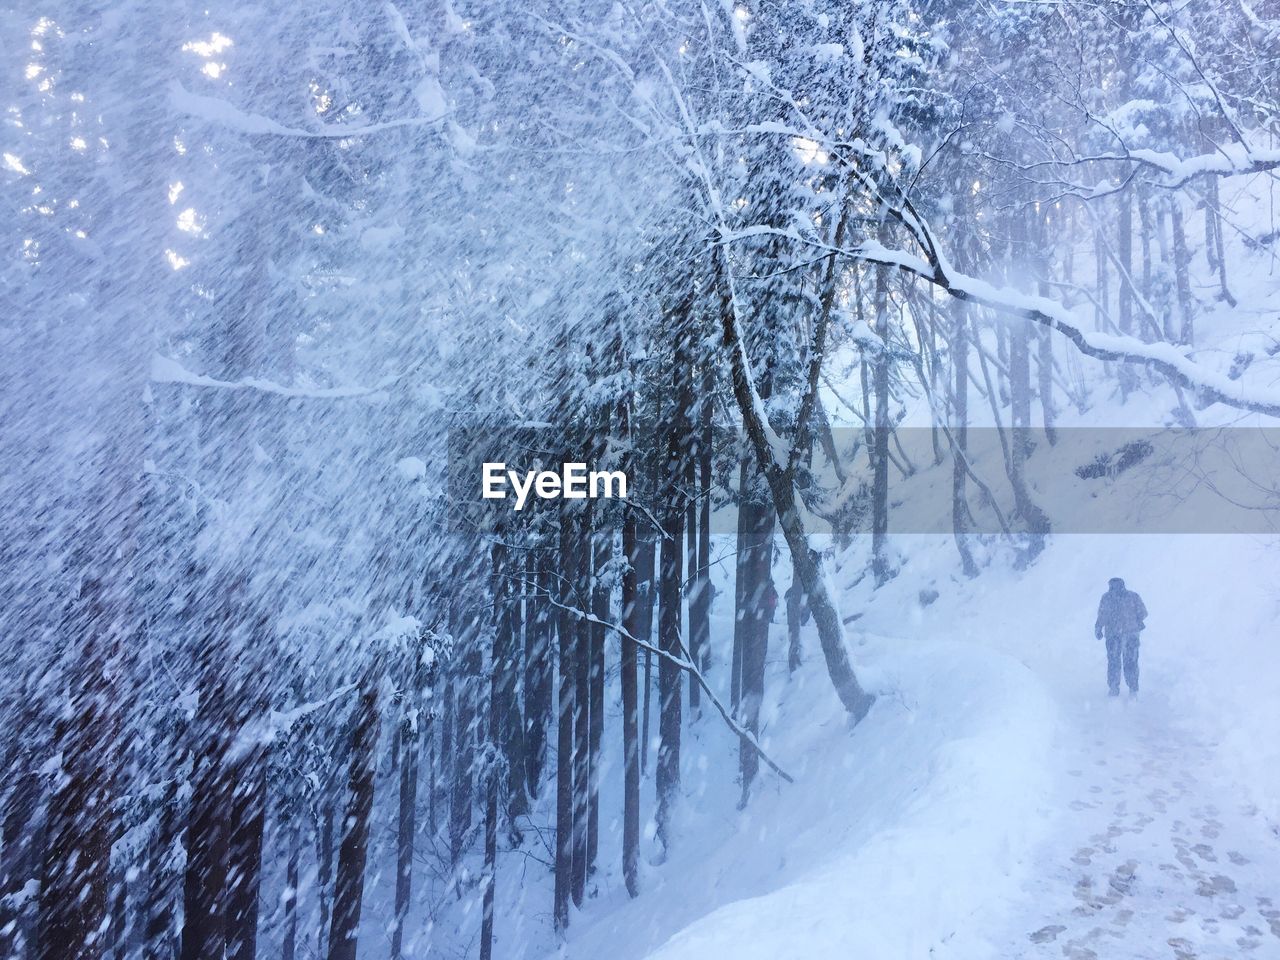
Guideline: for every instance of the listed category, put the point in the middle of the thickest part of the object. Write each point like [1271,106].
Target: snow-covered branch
[224,114]
[167,370]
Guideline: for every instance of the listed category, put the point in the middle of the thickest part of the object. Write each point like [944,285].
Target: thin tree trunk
[701,612]
[539,629]
[19,860]
[740,579]
[1124,296]
[411,722]
[602,540]
[465,677]
[1213,240]
[632,625]
[669,594]
[289,940]
[880,448]
[646,587]
[565,710]
[348,890]
[756,619]
[960,434]
[324,871]
[497,718]
[204,928]
[244,856]
[1181,267]
[582,703]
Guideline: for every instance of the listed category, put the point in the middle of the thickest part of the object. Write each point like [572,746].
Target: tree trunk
[582,703]
[348,890]
[701,612]
[631,623]
[1124,236]
[80,824]
[565,711]
[466,675]
[691,562]
[19,853]
[669,594]
[880,448]
[537,664]
[646,587]
[757,614]
[781,486]
[960,434]
[602,540]
[412,722]
[204,928]
[1181,267]
[741,576]
[497,719]
[508,671]
[289,939]
[244,855]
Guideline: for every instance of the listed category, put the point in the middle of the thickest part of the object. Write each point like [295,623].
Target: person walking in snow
[1121,618]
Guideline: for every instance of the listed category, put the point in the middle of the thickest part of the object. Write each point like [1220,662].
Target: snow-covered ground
[1166,806]
[995,803]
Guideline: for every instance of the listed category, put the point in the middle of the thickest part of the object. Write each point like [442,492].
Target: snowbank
[901,830]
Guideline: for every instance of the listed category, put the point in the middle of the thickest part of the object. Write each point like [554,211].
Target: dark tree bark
[244,856]
[466,676]
[159,937]
[741,577]
[691,564]
[412,722]
[670,582]
[647,590]
[566,708]
[700,614]
[538,665]
[601,542]
[289,939]
[631,623]
[492,774]
[80,821]
[204,918]
[509,671]
[581,567]
[19,851]
[348,891]
[490,863]
[324,869]
[758,588]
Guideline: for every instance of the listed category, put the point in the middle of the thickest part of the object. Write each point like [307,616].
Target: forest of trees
[263,266]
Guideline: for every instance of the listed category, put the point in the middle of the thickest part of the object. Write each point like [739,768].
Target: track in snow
[1153,856]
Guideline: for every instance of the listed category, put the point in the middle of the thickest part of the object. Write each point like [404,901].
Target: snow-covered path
[1153,855]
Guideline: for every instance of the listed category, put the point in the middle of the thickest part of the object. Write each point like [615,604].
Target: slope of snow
[898,836]
[919,813]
